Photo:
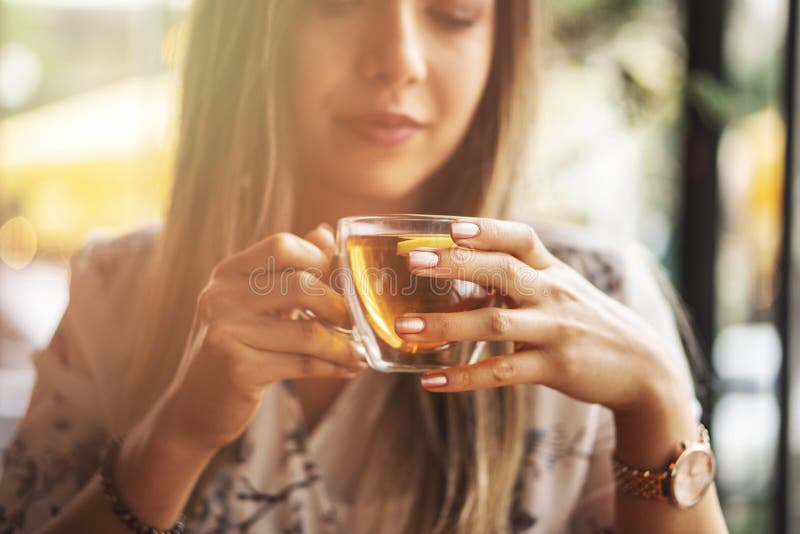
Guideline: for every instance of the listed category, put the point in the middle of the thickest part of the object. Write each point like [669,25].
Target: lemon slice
[409,243]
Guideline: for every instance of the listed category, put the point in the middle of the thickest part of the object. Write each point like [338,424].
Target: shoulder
[108,268]
[108,278]
[620,266]
[605,259]
[103,256]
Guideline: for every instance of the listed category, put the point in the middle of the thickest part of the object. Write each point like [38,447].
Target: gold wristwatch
[683,483]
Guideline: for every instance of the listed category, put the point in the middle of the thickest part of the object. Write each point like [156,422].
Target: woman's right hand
[242,338]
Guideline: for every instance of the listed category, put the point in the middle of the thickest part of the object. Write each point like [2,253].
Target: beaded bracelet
[119,508]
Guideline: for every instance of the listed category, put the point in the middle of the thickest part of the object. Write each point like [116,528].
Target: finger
[295,336]
[527,367]
[277,252]
[283,291]
[272,366]
[515,238]
[323,238]
[507,274]
[484,324]
[302,366]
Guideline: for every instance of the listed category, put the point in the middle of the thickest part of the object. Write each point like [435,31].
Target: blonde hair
[231,190]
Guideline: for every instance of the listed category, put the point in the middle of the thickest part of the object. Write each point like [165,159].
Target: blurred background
[662,120]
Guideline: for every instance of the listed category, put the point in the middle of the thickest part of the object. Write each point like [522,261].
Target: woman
[250,419]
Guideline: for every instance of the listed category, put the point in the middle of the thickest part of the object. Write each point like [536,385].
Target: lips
[382,128]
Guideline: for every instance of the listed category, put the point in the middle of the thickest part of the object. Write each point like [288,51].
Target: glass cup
[371,271]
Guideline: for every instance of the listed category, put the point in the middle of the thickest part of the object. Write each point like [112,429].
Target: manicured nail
[326,226]
[463,230]
[434,380]
[421,258]
[408,325]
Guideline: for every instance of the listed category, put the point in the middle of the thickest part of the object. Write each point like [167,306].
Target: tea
[387,288]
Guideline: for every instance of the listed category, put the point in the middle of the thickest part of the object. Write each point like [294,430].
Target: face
[383,91]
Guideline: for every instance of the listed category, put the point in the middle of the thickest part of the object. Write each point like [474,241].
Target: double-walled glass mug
[371,271]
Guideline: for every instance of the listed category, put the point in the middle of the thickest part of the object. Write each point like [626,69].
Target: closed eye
[453,21]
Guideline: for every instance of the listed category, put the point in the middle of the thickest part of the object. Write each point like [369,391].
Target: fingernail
[434,380]
[421,258]
[463,230]
[408,325]
[326,226]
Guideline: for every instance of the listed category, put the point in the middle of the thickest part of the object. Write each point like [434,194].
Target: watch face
[692,476]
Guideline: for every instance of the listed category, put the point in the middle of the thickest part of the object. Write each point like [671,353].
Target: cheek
[313,76]
[458,78]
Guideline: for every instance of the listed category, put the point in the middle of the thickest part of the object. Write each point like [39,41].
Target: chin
[379,185]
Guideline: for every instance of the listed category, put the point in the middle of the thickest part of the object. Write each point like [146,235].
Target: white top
[280,479]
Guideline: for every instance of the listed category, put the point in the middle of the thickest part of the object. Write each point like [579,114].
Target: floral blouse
[280,478]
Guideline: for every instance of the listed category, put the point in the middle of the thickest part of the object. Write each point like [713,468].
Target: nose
[392,50]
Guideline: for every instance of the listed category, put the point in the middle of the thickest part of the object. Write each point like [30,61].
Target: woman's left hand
[568,334]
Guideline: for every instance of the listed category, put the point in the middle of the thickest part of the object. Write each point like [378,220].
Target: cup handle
[308,314]
[358,347]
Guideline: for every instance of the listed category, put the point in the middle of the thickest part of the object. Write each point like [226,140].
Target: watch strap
[641,482]
[648,483]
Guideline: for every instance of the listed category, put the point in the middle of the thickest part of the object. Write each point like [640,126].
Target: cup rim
[400,217]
